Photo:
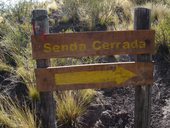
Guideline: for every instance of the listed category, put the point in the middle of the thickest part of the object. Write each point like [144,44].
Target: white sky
[12,2]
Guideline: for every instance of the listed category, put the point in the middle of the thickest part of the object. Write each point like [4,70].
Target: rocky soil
[114,108]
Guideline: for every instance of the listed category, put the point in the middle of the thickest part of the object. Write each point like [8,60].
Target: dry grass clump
[28,78]
[159,11]
[13,115]
[72,104]
[5,67]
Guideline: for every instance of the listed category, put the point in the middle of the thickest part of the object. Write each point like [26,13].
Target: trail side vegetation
[13,116]
[17,65]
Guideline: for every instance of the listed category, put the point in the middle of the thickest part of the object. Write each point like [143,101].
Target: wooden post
[142,93]
[47,104]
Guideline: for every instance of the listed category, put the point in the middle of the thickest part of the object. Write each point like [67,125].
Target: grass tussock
[73,104]
[28,78]
[13,115]
[5,67]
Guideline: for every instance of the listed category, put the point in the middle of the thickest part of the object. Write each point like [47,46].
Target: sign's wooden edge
[93,64]
[92,32]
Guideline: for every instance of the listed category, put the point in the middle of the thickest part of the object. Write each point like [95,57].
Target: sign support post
[143,92]
[47,103]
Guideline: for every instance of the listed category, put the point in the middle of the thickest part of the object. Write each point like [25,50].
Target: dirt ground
[114,108]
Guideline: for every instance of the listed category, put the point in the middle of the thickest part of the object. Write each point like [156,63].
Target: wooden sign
[92,43]
[94,76]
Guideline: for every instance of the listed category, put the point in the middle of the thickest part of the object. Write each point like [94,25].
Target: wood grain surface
[94,76]
[92,44]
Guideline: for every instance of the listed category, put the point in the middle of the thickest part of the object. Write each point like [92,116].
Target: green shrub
[160,20]
[15,46]
[163,31]
[141,2]
[96,12]
[158,12]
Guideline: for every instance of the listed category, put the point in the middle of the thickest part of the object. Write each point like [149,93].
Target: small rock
[106,117]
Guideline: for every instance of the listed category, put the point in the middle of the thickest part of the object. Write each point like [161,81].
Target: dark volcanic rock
[106,117]
[12,87]
[118,103]
[91,116]
[116,111]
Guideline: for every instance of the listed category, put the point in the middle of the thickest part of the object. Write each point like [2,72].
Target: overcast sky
[12,2]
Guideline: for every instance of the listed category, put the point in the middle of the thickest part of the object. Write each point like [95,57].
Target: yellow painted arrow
[118,76]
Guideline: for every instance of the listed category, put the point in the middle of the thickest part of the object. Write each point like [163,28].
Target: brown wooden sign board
[94,76]
[92,43]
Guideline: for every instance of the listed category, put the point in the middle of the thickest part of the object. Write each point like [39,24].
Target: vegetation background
[18,94]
